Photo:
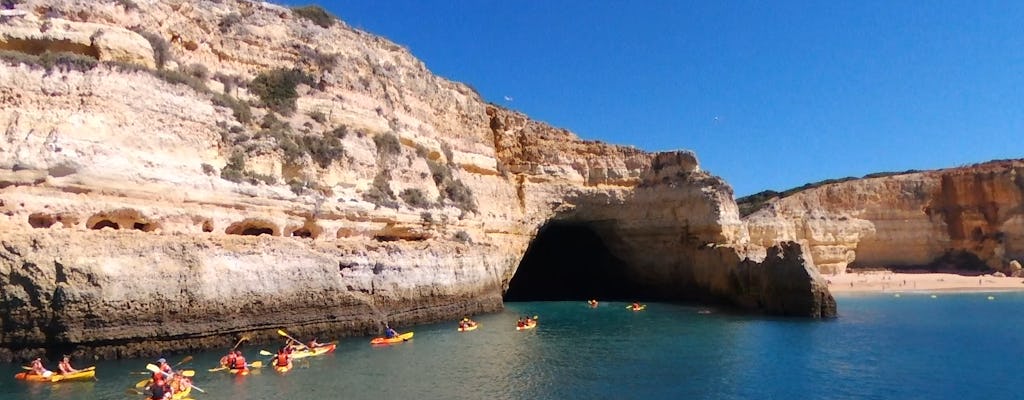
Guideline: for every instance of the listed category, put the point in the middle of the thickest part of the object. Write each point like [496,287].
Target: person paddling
[39,369]
[65,365]
[389,333]
[283,358]
[239,362]
[158,389]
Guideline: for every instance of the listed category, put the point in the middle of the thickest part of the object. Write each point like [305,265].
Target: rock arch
[253,227]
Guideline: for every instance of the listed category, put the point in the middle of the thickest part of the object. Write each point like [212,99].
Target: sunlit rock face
[173,209]
[967,218]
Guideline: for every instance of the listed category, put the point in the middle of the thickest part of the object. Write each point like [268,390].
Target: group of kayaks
[300,351]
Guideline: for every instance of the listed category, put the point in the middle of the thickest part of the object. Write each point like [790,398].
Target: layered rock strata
[143,207]
[967,218]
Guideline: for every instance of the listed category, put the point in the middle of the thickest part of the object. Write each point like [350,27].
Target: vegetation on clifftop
[752,203]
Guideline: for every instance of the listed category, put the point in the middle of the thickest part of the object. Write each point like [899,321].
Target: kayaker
[65,365]
[158,389]
[314,344]
[389,333]
[164,366]
[239,362]
[229,360]
[283,358]
[39,369]
[520,323]
[636,306]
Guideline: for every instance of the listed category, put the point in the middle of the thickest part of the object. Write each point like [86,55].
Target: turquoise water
[955,346]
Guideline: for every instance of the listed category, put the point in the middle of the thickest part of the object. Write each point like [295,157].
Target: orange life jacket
[282,359]
[239,363]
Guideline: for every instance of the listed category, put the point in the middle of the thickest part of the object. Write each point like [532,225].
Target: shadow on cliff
[569,261]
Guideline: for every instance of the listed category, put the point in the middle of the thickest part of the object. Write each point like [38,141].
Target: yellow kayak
[398,339]
[319,350]
[82,375]
[182,394]
[531,325]
[469,328]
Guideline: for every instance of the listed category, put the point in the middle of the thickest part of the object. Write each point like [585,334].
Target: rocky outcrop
[184,206]
[968,218]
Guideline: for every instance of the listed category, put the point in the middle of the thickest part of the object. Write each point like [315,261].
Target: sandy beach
[887,281]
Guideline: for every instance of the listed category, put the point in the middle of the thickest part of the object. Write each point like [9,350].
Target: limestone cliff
[179,172]
[960,218]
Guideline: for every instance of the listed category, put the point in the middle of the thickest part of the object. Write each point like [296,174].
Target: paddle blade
[184,360]
[133,392]
[26,368]
[265,353]
[152,368]
[282,332]
[256,364]
[141,384]
[188,372]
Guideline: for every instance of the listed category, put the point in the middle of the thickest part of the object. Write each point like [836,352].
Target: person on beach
[39,369]
[65,366]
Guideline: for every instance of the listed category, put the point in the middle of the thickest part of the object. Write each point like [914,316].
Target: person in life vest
[283,358]
[159,390]
[239,362]
[389,333]
[65,365]
[165,369]
[520,323]
[593,303]
[229,360]
[636,306]
[39,369]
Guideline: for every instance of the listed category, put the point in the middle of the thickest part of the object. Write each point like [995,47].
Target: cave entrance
[569,261]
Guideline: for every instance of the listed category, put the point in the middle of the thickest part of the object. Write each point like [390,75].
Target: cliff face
[967,218]
[182,206]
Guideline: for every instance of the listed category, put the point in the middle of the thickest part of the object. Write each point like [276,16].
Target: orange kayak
[87,374]
[283,368]
[531,325]
[398,339]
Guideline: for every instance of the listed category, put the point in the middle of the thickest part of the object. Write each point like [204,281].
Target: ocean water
[953,346]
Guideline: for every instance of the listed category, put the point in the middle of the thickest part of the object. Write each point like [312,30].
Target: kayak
[283,369]
[319,350]
[239,372]
[82,375]
[641,308]
[469,328]
[398,339]
[531,325]
[182,394]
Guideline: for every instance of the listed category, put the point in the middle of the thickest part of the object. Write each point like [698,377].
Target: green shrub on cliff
[318,15]
[276,88]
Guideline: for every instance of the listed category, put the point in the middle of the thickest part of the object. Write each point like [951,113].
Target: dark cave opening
[569,261]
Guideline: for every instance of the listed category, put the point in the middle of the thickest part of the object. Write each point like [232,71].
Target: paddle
[26,368]
[155,368]
[244,338]
[285,334]
[134,392]
[183,360]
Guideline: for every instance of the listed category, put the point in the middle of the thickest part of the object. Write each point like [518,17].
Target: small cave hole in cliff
[105,223]
[40,220]
[569,261]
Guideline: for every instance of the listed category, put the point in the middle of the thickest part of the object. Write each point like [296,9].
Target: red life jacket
[239,363]
[282,359]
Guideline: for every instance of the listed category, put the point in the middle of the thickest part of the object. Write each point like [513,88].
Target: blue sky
[770,95]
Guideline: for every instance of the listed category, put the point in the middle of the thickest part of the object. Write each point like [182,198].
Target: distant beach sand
[886,281]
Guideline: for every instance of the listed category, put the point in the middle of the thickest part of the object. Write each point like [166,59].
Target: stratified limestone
[959,218]
[389,194]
